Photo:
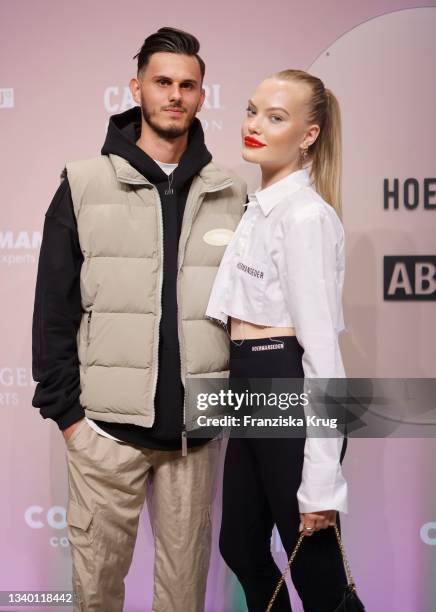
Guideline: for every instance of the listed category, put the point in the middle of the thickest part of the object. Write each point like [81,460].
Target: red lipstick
[249,141]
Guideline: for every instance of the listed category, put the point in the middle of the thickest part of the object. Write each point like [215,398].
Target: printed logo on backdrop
[12,381]
[6,97]
[19,247]
[118,99]
[409,277]
[428,533]
[53,519]
[410,194]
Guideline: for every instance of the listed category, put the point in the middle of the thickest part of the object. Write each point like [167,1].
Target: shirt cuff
[323,486]
[313,498]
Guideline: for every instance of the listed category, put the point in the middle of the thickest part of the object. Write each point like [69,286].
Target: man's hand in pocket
[69,430]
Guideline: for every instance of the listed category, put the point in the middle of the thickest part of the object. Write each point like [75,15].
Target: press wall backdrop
[64,69]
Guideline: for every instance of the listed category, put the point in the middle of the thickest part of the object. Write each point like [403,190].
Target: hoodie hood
[124,130]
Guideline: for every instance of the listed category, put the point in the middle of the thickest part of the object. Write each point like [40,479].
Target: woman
[280,287]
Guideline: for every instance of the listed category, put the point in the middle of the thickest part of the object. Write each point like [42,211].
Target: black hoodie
[58,311]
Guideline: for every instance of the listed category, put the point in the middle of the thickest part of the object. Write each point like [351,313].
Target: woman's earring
[303,156]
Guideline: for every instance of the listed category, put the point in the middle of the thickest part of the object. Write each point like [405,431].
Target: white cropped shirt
[284,267]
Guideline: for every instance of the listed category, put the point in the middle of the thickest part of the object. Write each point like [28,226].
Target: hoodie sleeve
[57,314]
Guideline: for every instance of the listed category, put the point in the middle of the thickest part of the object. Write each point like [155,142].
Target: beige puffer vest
[120,229]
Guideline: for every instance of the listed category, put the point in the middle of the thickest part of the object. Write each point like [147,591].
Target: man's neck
[168,151]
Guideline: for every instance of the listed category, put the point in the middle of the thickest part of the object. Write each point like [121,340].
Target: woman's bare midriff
[241,330]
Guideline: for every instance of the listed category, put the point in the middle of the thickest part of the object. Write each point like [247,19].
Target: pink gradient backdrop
[60,59]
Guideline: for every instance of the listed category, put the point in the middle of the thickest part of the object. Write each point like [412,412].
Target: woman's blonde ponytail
[327,155]
[326,152]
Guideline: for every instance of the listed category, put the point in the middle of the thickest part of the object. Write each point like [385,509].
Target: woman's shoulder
[305,204]
[308,209]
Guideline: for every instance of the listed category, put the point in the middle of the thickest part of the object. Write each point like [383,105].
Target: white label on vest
[218,237]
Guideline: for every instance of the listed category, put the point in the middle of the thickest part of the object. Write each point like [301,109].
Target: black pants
[261,479]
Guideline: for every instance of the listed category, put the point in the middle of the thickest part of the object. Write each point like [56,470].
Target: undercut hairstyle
[169,40]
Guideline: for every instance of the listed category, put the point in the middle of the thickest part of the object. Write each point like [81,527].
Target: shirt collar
[269,197]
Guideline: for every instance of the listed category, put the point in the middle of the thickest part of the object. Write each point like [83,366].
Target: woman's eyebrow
[251,103]
[277,108]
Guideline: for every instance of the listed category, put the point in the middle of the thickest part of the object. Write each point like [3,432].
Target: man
[124,276]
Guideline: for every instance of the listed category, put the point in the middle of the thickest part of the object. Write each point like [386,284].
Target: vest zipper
[184,437]
[187,222]
[182,244]
[155,364]
[88,339]
[88,328]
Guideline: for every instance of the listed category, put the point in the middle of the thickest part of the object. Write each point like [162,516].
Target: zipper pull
[88,327]
[184,443]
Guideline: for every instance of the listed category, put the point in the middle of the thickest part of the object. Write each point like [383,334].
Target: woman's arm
[310,251]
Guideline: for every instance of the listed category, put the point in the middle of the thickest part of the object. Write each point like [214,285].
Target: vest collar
[213,178]
[126,173]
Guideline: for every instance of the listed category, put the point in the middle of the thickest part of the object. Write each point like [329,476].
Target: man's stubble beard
[170,133]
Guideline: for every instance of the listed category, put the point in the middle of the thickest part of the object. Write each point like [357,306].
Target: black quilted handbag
[350,601]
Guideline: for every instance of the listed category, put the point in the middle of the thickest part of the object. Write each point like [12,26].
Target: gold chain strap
[282,579]
[345,560]
[292,557]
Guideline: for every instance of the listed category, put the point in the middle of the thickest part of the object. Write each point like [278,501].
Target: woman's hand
[314,521]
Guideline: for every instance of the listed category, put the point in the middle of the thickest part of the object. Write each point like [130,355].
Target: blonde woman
[279,289]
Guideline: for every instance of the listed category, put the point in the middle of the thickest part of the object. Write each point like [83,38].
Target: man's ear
[201,101]
[135,90]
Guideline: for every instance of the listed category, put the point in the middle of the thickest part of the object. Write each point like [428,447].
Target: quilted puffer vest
[120,229]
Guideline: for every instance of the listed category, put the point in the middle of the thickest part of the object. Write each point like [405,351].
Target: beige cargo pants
[108,482]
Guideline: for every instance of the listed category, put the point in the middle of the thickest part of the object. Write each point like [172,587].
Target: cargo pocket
[79,521]
[80,535]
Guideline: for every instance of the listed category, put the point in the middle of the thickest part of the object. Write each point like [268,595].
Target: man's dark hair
[169,40]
